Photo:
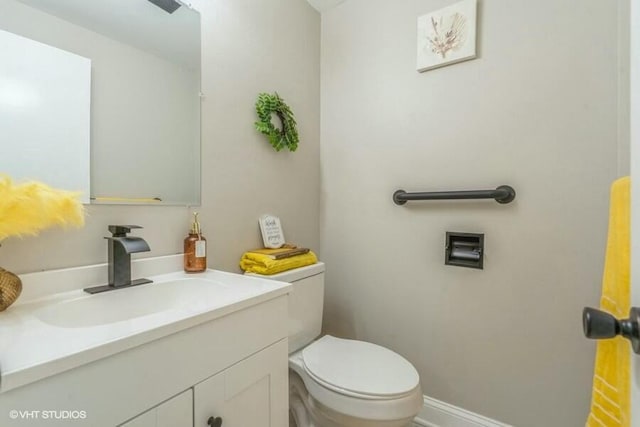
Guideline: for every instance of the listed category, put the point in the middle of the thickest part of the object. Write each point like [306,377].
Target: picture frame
[447,36]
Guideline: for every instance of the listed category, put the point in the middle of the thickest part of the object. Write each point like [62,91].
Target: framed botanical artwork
[447,36]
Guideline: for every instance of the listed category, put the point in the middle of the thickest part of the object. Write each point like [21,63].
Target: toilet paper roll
[465,253]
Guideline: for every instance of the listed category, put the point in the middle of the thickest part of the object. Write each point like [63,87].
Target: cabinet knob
[214,422]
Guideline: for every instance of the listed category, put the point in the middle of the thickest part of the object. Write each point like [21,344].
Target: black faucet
[121,247]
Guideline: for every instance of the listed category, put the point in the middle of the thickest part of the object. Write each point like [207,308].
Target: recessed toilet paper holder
[464,250]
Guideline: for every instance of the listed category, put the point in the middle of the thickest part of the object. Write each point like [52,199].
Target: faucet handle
[121,230]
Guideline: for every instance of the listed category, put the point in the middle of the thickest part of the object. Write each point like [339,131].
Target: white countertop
[58,331]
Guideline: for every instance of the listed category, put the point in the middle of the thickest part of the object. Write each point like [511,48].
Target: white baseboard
[436,413]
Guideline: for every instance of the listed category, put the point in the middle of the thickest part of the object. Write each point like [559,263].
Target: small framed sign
[271,229]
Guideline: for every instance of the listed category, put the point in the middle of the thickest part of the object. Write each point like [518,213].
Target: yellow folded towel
[611,393]
[263,264]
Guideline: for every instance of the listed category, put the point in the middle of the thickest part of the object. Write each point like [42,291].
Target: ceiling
[323,5]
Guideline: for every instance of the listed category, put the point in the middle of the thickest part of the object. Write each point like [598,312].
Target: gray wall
[538,111]
[624,83]
[248,47]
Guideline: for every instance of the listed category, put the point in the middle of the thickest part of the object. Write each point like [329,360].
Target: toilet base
[305,411]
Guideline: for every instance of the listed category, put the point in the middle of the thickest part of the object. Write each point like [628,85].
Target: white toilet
[335,382]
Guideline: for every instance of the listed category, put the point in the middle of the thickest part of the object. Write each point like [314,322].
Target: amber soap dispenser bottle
[195,249]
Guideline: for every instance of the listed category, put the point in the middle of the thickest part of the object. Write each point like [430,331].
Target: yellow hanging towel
[611,393]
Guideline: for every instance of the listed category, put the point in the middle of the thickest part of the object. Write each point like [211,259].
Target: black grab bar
[503,194]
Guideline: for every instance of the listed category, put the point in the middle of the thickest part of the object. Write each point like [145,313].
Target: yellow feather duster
[31,207]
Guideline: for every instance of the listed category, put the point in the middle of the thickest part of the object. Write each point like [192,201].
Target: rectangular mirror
[144,95]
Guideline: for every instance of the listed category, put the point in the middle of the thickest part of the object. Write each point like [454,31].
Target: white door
[635,198]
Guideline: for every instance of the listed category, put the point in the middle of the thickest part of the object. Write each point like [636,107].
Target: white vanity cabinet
[253,392]
[233,366]
[175,412]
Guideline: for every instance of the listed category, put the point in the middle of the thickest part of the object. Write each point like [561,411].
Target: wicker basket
[10,288]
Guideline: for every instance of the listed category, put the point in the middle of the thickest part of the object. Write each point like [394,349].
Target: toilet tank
[306,300]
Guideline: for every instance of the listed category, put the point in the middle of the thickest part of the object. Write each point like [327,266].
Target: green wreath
[287,135]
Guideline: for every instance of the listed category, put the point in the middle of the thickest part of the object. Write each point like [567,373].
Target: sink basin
[136,302]
[56,326]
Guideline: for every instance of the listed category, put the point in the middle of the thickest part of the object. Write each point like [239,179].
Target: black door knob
[214,422]
[599,324]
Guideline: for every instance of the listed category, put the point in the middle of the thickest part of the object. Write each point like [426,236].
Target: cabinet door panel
[253,392]
[175,412]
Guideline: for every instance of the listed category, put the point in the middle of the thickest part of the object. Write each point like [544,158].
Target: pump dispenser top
[195,226]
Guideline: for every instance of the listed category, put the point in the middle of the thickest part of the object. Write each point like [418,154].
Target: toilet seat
[359,369]
[350,396]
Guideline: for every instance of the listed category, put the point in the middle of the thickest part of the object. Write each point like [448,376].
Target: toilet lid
[359,367]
